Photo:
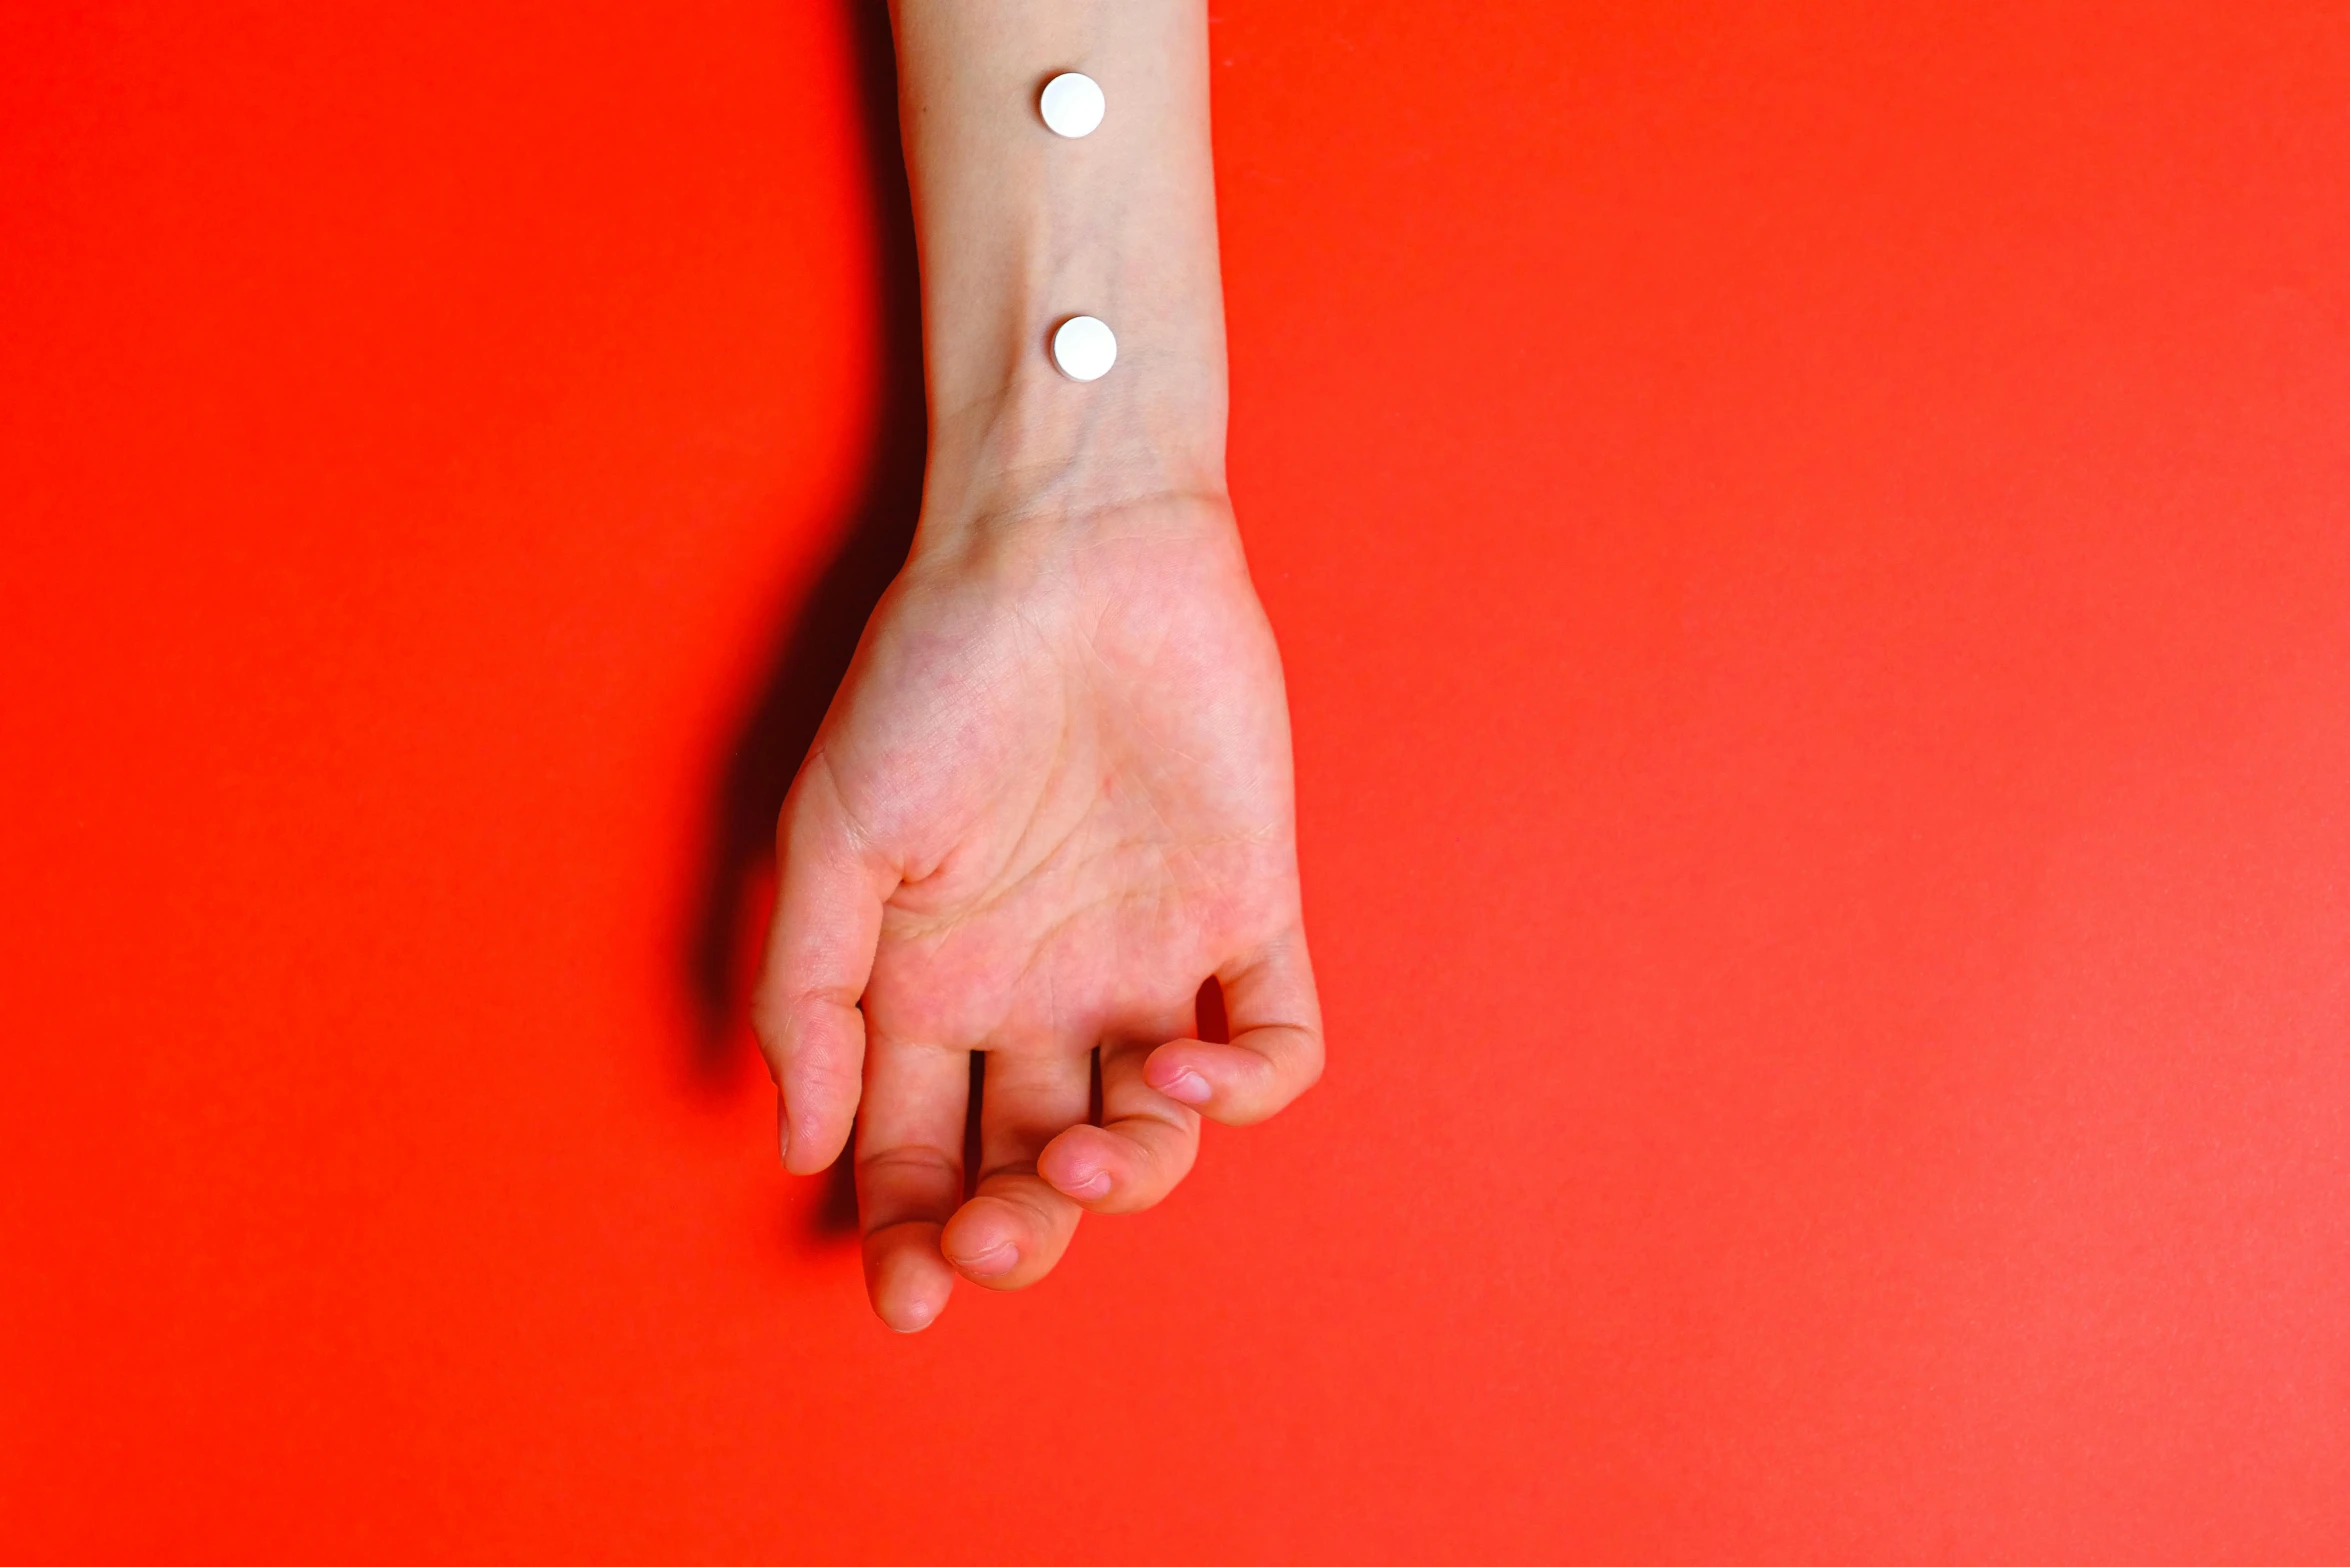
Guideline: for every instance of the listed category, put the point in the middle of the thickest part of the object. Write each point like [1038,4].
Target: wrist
[1027,480]
[1042,443]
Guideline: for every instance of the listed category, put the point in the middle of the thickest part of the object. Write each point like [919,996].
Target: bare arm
[1053,794]
[1020,228]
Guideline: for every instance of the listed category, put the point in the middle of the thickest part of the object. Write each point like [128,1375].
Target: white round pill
[1085,348]
[1072,104]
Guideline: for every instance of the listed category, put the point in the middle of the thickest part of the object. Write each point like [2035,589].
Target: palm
[1097,810]
[1065,783]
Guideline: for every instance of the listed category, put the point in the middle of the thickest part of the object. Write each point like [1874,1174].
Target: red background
[1813,547]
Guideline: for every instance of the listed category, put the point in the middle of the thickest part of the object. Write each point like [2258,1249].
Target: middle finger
[1015,1226]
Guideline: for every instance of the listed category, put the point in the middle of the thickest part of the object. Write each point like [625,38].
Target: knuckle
[1158,1154]
[822,1072]
[1047,1210]
[1311,1059]
[919,1163]
[812,1044]
[769,1023]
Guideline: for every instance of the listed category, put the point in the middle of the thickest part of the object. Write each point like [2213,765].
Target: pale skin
[1053,793]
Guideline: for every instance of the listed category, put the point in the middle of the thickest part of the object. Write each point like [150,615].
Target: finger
[1015,1226]
[1145,1144]
[1276,1049]
[819,955]
[910,1175]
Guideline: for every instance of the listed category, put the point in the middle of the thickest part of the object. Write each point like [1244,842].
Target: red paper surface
[1812,544]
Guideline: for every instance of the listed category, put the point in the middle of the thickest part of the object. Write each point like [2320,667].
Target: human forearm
[1021,229]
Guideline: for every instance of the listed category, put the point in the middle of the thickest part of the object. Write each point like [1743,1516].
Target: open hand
[1051,799]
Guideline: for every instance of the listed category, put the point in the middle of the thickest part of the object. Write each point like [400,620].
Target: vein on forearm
[1020,229]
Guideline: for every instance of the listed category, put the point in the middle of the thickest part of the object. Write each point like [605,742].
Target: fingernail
[1092,1183]
[1188,1087]
[782,1130]
[989,1263]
